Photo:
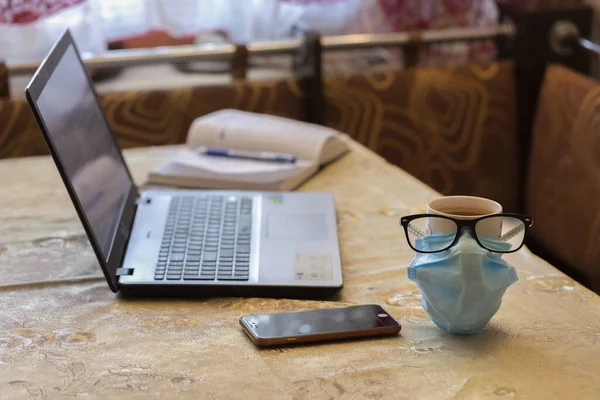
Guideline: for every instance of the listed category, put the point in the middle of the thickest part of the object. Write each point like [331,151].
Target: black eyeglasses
[499,233]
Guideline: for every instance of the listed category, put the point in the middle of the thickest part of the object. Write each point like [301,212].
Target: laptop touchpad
[297,227]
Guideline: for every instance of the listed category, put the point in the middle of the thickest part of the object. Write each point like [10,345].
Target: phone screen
[319,321]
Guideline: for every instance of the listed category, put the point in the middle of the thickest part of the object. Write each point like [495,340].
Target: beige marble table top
[64,334]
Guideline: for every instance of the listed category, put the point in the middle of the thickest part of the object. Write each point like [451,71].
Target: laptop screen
[85,146]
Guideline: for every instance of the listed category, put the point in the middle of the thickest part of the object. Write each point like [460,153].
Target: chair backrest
[155,117]
[160,117]
[19,133]
[453,128]
[563,188]
[4,83]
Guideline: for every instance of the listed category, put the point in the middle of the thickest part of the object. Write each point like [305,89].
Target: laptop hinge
[124,271]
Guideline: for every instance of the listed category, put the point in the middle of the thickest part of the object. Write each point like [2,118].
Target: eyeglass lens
[499,234]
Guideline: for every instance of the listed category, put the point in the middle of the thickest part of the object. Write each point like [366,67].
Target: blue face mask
[463,286]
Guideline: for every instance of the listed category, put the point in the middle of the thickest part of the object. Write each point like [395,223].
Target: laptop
[177,242]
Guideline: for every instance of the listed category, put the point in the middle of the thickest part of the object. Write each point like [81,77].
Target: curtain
[29,27]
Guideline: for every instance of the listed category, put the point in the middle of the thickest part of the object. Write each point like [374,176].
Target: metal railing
[222,52]
[565,38]
[589,45]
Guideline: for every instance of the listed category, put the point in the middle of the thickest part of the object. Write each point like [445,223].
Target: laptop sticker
[276,199]
[313,267]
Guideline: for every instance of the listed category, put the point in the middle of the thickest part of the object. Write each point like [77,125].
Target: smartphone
[319,325]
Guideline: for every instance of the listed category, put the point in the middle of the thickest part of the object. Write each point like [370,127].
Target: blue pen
[248,155]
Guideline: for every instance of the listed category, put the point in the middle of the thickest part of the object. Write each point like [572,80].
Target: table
[64,334]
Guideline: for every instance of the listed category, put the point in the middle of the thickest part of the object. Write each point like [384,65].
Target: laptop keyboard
[206,238]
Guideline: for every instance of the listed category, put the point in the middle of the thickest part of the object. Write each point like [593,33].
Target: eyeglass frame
[468,223]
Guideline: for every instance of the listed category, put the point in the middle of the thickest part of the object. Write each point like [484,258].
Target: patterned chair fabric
[4,82]
[453,128]
[563,189]
[19,133]
[164,117]
[156,117]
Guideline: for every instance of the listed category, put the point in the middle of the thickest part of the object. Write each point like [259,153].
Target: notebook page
[233,129]
[225,166]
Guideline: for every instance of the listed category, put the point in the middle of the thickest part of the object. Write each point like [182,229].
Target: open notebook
[313,146]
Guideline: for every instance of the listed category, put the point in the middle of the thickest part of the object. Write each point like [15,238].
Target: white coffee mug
[465,208]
